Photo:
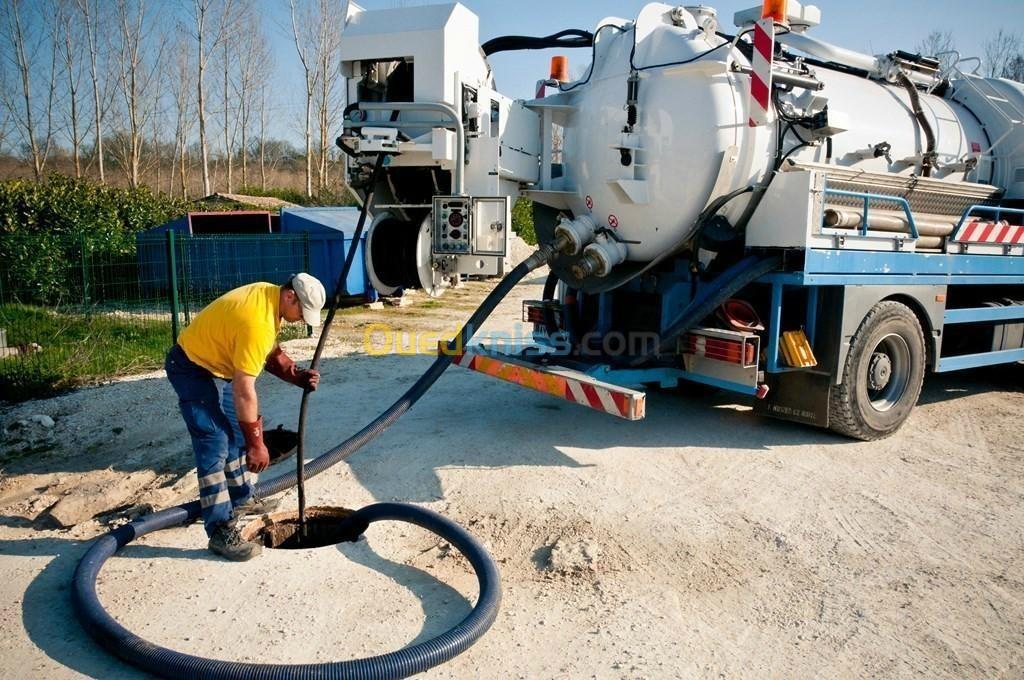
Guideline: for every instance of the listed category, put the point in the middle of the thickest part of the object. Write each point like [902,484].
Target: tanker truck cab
[743,206]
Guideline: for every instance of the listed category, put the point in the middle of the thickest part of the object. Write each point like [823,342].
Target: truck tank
[659,126]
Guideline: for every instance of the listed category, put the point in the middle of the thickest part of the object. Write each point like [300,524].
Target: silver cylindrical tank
[649,182]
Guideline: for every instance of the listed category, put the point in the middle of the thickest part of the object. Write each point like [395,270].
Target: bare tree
[305,31]
[140,51]
[939,44]
[1004,55]
[263,137]
[328,94]
[89,10]
[25,49]
[229,46]
[254,67]
[211,21]
[67,35]
[180,87]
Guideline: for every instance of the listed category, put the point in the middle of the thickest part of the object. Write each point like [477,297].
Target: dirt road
[702,541]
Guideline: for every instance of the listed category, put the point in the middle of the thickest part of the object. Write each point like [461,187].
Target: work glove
[257,457]
[281,365]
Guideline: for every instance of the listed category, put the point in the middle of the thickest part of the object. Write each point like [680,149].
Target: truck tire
[882,376]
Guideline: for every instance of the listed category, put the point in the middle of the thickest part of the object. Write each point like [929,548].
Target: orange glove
[281,365]
[257,458]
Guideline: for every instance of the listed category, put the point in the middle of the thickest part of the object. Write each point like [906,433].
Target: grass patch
[76,349]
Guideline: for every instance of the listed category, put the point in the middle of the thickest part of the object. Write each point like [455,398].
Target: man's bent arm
[243,387]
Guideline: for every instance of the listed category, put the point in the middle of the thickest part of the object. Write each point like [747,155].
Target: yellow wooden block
[796,350]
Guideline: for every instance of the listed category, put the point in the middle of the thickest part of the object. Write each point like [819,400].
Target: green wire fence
[75,311]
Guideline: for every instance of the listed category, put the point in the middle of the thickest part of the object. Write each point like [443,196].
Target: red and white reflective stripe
[621,402]
[983,231]
[761,74]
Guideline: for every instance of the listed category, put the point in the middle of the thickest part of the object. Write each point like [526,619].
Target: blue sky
[872,26]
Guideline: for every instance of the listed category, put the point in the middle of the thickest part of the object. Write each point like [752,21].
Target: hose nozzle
[575,234]
[599,257]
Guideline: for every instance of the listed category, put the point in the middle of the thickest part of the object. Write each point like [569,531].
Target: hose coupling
[599,257]
[575,234]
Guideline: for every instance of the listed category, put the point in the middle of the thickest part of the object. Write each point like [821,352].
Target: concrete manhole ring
[324,526]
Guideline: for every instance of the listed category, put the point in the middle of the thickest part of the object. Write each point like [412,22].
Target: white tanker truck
[746,207]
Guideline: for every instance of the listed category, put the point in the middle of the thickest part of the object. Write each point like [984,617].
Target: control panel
[465,225]
[453,222]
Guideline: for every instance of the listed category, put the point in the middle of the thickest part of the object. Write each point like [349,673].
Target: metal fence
[75,311]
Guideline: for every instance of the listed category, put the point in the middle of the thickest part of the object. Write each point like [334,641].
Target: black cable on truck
[416,659]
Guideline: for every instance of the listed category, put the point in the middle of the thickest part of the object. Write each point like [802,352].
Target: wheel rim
[888,372]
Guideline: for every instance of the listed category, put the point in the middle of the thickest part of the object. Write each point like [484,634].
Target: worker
[213,369]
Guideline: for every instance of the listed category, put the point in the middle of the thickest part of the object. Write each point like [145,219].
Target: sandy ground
[702,541]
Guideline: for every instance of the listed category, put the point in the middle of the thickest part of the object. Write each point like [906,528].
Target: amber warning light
[774,9]
[559,68]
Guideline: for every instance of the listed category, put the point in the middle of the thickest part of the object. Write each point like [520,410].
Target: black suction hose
[568,38]
[168,663]
[550,288]
[928,159]
[340,287]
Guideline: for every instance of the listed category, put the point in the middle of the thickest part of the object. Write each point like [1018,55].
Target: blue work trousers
[208,408]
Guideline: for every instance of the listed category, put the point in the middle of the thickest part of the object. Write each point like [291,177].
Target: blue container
[219,251]
[330,231]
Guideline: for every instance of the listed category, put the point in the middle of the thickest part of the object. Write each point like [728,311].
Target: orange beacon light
[774,9]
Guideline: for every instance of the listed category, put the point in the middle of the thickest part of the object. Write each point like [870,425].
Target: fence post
[305,268]
[85,271]
[188,249]
[172,279]
[305,251]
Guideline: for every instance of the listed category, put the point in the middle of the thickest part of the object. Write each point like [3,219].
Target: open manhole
[324,526]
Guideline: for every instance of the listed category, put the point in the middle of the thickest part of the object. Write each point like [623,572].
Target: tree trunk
[263,137]
[309,143]
[245,141]
[227,114]
[17,32]
[201,96]
[182,167]
[90,30]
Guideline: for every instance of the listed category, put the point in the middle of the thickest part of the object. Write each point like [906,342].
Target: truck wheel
[882,376]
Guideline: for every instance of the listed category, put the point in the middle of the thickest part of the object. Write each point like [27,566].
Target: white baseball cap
[312,297]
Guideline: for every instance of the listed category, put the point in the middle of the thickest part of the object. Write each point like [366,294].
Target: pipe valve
[599,257]
[575,234]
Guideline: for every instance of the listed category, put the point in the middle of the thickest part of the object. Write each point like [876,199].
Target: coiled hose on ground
[169,663]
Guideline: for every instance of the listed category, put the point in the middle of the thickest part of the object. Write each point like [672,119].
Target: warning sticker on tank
[590,203]
[613,221]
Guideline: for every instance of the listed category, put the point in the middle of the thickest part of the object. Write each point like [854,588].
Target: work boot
[256,506]
[227,542]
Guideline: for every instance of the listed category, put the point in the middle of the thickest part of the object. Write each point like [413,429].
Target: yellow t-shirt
[235,332]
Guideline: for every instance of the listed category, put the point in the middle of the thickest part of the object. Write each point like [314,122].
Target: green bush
[341,197]
[45,226]
[68,207]
[522,220]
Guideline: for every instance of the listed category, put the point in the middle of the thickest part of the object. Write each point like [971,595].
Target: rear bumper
[536,373]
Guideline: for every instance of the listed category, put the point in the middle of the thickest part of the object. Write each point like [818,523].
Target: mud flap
[800,396]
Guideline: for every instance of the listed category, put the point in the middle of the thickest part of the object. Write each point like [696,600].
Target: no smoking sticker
[590,203]
[613,221]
